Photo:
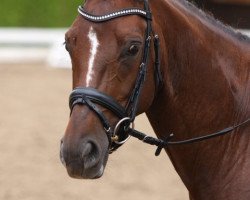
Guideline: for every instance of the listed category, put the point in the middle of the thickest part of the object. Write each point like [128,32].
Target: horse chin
[94,173]
[100,173]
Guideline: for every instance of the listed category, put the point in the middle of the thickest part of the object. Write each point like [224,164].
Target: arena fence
[32,46]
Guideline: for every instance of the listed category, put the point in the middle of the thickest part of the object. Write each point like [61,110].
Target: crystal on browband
[120,13]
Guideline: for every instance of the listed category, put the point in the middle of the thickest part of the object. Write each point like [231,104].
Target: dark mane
[209,17]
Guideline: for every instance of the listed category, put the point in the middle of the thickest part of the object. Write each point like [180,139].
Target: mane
[210,18]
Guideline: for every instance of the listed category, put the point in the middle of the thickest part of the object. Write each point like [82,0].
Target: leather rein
[125,127]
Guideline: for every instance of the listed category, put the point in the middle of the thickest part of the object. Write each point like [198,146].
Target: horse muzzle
[84,160]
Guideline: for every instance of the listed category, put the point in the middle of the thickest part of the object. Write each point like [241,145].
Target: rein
[167,142]
[123,130]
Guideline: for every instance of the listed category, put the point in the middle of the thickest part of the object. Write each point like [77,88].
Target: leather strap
[99,98]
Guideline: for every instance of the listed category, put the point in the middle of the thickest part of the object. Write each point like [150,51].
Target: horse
[187,71]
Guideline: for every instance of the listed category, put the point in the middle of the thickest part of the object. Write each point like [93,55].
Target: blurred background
[35,81]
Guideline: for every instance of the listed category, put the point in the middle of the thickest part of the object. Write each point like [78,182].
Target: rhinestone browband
[120,13]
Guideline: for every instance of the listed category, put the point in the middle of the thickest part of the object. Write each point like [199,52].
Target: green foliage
[38,13]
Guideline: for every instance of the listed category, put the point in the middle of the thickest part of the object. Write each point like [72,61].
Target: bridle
[90,96]
[125,126]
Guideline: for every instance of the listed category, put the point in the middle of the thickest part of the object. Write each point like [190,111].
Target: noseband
[125,126]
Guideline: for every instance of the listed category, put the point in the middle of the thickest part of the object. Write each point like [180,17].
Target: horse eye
[133,49]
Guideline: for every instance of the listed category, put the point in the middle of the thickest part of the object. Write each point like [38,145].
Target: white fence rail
[45,46]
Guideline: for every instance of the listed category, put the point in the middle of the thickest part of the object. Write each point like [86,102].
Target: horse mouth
[100,173]
[78,171]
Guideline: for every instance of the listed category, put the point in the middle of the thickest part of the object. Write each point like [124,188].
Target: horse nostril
[90,154]
[61,153]
[87,149]
[61,142]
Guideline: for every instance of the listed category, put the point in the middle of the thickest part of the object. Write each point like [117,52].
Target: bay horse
[188,72]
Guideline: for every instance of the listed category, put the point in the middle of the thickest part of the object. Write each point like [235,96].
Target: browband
[119,13]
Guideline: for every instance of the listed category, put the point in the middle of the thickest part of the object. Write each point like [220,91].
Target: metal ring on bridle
[115,137]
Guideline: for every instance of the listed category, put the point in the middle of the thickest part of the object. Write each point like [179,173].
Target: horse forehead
[119,26]
[113,31]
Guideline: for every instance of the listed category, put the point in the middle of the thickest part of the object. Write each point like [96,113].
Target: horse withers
[202,85]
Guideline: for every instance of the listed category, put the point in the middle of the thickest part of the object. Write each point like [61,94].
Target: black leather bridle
[123,130]
[90,96]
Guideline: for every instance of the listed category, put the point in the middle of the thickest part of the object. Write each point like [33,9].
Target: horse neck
[206,89]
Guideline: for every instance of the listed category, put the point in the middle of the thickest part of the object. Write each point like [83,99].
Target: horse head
[111,63]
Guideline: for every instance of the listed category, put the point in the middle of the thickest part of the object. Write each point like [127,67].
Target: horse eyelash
[65,45]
